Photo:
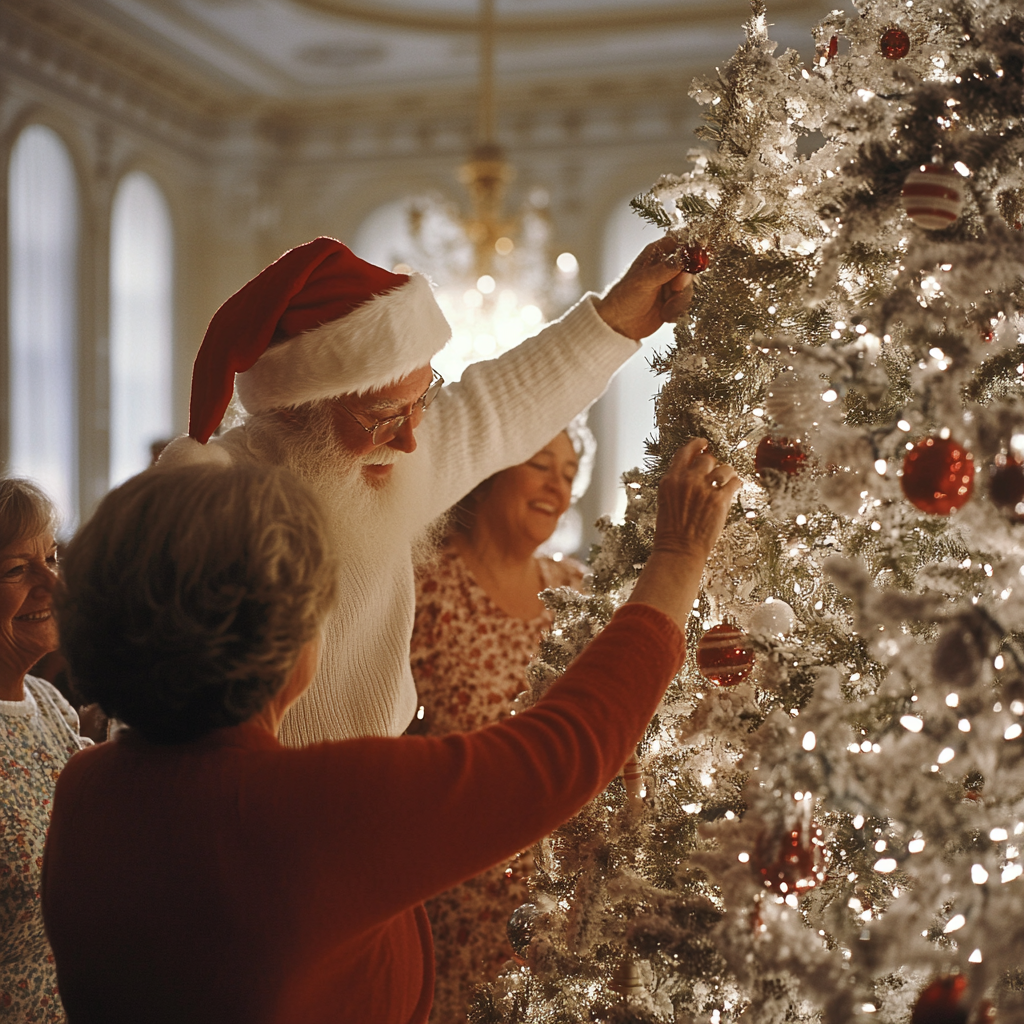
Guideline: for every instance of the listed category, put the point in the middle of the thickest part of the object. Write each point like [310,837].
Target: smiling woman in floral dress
[38,733]
[478,624]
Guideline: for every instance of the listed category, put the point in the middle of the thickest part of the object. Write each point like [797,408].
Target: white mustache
[382,457]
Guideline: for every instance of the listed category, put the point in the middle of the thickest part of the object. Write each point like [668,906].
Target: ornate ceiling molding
[55,38]
[107,68]
[124,81]
[612,20]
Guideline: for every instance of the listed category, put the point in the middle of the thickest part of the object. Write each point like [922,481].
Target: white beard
[370,520]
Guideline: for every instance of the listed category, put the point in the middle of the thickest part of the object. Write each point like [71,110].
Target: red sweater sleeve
[408,817]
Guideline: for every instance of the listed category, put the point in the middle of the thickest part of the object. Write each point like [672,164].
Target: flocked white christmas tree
[826,818]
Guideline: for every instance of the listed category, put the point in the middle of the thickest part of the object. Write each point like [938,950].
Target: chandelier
[496,279]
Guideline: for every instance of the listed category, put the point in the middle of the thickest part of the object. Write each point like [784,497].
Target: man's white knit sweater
[499,414]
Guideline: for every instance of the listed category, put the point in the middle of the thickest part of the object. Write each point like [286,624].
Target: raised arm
[439,810]
[504,409]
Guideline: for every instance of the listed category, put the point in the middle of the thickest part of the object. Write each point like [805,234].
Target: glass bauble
[779,455]
[938,475]
[933,196]
[1006,485]
[695,259]
[724,656]
[794,864]
[520,930]
[894,44]
[941,1002]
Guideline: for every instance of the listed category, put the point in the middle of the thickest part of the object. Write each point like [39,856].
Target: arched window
[627,418]
[141,317]
[43,250]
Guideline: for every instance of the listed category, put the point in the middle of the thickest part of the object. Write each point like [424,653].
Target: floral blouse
[37,736]
[469,661]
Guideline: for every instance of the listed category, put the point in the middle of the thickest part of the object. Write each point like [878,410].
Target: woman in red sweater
[198,871]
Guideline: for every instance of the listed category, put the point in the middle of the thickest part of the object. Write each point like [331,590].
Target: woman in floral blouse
[478,624]
[38,733]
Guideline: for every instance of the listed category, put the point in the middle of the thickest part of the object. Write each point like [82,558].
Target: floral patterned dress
[469,661]
[37,736]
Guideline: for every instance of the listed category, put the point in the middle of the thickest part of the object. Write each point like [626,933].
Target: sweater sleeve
[405,818]
[505,409]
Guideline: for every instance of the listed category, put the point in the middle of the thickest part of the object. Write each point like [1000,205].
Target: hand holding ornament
[694,497]
[656,289]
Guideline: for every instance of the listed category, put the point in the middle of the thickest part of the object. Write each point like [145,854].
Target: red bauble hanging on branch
[894,44]
[938,475]
[933,196]
[941,1002]
[694,259]
[1006,485]
[794,864]
[723,655]
[779,455]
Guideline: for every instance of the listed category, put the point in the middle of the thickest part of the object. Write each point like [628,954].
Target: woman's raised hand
[693,501]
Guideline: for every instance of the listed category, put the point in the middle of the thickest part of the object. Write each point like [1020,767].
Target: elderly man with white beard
[332,357]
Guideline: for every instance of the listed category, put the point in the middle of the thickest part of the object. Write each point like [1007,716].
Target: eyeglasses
[382,431]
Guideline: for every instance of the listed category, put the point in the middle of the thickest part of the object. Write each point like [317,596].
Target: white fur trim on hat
[186,451]
[376,344]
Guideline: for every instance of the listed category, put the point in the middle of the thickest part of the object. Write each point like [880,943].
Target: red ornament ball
[938,475]
[1006,485]
[793,865]
[933,196]
[695,259]
[942,1002]
[779,455]
[723,656]
[894,44]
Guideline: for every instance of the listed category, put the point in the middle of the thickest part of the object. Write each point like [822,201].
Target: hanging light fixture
[487,173]
[497,281]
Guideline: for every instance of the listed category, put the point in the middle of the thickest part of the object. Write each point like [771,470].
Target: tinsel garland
[878,743]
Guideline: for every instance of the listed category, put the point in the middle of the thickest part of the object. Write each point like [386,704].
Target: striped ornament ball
[723,655]
[933,196]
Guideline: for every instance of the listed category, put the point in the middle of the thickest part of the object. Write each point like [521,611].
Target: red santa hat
[316,323]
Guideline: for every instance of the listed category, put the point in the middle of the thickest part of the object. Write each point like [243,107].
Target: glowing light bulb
[567,263]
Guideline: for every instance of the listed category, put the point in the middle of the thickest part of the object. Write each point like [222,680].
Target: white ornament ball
[773,617]
[933,196]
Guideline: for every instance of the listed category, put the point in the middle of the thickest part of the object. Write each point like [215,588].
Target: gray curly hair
[188,596]
[25,511]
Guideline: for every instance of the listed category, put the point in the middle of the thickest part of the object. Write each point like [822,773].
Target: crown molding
[101,68]
[612,20]
[54,39]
